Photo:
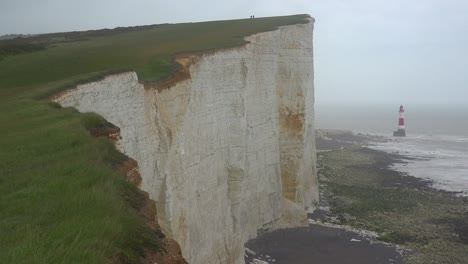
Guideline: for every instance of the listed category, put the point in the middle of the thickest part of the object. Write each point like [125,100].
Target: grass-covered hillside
[61,199]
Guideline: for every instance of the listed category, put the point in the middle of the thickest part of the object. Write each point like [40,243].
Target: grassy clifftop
[148,50]
[61,199]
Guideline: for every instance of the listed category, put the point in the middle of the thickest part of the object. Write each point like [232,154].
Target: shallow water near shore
[441,159]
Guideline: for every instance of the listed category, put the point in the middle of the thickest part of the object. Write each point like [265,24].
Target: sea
[436,145]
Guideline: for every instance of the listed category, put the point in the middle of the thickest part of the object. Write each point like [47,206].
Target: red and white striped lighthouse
[401,124]
[401,121]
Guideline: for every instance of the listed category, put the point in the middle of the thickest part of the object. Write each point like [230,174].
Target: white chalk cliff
[226,153]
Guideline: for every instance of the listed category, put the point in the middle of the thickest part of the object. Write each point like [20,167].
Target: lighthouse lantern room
[401,124]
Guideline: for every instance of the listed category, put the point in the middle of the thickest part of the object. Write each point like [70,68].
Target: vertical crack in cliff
[236,174]
[235,178]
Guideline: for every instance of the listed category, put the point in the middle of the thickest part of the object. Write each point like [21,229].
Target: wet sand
[320,244]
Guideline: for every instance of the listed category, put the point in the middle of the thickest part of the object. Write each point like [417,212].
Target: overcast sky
[366,51]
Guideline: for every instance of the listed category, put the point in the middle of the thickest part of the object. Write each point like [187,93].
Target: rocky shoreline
[410,221]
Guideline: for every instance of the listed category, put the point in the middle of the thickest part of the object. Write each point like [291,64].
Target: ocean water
[436,144]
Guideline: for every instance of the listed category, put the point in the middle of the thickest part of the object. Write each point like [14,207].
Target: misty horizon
[374,52]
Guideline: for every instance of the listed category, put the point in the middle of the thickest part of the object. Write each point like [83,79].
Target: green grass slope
[61,199]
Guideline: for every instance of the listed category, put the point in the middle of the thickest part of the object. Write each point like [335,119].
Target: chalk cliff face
[226,153]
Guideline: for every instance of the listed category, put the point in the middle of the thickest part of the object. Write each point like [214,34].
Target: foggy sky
[366,51]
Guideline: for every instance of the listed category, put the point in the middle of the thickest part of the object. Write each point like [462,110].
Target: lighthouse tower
[401,124]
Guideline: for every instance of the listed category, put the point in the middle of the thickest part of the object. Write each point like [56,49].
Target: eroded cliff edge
[228,151]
